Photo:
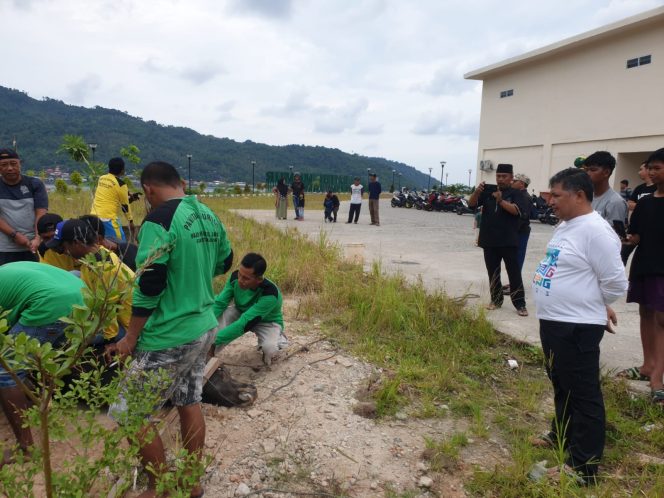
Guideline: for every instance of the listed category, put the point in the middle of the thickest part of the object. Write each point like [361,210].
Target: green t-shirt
[37,294]
[262,304]
[186,246]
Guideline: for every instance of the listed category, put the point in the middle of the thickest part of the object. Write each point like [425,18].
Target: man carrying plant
[183,246]
[23,200]
[36,296]
[256,307]
[580,276]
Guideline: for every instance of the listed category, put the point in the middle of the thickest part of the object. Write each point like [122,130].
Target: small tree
[76,180]
[77,149]
[201,187]
[130,153]
[247,189]
[31,172]
[237,189]
[61,186]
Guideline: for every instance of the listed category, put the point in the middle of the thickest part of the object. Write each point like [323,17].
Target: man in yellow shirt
[77,239]
[46,227]
[111,198]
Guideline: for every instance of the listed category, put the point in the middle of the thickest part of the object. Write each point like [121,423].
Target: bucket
[354,253]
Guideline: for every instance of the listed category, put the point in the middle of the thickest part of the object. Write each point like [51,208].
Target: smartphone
[619,227]
[490,188]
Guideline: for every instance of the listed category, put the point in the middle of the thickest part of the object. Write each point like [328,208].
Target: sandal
[522,311]
[556,473]
[633,373]
[545,440]
[657,396]
[493,306]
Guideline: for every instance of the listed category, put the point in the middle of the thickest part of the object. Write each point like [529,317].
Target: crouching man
[256,307]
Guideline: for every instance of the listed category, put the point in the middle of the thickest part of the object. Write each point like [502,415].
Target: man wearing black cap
[111,198]
[46,228]
[23,200]
[502,207]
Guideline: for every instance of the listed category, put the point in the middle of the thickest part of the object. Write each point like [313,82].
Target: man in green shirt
[37,296]
[183,246]
[256,307]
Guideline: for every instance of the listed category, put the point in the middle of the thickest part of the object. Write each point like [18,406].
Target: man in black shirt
[639,192]
[499,235]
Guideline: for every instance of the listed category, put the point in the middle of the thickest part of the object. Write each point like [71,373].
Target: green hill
[39,126]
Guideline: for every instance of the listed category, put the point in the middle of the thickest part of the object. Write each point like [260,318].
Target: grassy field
[441,359]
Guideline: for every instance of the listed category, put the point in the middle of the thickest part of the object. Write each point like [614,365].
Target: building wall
[575,103]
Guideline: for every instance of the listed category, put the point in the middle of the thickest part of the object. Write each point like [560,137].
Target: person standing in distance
[374,198]
[173,325]
[297,187]
[356,191]
[111,198]
[580,276]
[639,191]
[23,200]
[499,235]
[606,201]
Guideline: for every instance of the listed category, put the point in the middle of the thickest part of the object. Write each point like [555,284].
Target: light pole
[446,175]
[399,182]
[469,172]
[394,171]
[253,177]
[291,174]
[93,147]
[429,182]
[189,161]
[368,173]
[442,170]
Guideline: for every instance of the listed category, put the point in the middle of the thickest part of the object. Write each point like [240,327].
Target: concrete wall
[574,103]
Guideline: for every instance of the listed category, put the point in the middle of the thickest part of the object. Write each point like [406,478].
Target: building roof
[610,30]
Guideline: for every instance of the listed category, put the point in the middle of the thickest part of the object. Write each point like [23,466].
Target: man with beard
[502,207]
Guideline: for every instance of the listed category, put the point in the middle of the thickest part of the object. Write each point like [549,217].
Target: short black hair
[601,158]
[116,165]
[160,173]
[626,182]
[94,222]
[657,156]
[573,180]
[256,262]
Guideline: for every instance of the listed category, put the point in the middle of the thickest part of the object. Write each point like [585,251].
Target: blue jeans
[299,210]
[53,333]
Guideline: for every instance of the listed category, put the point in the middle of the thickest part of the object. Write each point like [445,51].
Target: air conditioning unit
[482,165]
[488,164]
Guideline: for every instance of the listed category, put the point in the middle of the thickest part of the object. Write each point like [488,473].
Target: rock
[330,416]
[254,413]
[268,445]
[373,485]
[401,416]
[344,362]
[538,471]
[319,388]
[425,482]
[649,459]
[242,490]
[422,467]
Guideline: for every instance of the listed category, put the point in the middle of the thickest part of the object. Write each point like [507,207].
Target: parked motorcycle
[398,199]
[462,207]
[548,217]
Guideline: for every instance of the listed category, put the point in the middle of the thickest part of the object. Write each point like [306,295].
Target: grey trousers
[373,211]
[269,334]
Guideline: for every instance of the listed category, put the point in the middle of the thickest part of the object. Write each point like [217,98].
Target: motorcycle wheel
[418,207]
[409,205]
[552,221]
[459,211]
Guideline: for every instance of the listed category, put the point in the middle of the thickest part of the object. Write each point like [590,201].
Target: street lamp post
[399,182]
[469,173]
[442,170]
[446,175]
[189,167]
[253,177]
[93,147]
[394,171]
[368,173]
[429,182]
[291,173]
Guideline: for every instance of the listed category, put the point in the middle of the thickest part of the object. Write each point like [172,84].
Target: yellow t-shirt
[114,270]
[111,198]
[62,261]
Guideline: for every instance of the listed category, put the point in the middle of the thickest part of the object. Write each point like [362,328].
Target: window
[639,61]
[506,93]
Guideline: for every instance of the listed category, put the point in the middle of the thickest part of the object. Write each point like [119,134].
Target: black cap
[372,175]
[48,222]
[8,154]
[505,168]
[72,231]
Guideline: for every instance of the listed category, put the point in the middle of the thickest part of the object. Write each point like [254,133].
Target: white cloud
[373,76]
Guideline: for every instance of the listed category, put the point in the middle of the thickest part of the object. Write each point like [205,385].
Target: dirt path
[302,434]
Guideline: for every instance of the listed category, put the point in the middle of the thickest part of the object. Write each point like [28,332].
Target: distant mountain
[39,125]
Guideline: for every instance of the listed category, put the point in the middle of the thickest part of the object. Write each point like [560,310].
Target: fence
[313,182]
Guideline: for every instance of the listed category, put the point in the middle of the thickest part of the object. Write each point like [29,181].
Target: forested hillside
[39,125]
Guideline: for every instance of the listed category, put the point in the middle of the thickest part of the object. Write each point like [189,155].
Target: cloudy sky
[376,77]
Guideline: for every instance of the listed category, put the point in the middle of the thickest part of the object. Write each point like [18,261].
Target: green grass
[434,351]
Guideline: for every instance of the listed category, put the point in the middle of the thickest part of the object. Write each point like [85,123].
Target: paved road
[440,248]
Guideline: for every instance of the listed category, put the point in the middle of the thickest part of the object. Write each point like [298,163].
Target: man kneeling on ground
[256,307]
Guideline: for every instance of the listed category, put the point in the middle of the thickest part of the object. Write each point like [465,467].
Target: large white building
[600,90]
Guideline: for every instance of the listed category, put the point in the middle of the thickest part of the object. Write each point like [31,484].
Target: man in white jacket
[580,276]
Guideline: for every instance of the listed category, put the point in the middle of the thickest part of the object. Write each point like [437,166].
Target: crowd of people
[169,318]
[172,320]
[330,202]
[581,275]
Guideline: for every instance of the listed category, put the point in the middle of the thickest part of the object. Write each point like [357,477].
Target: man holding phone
[502,207]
